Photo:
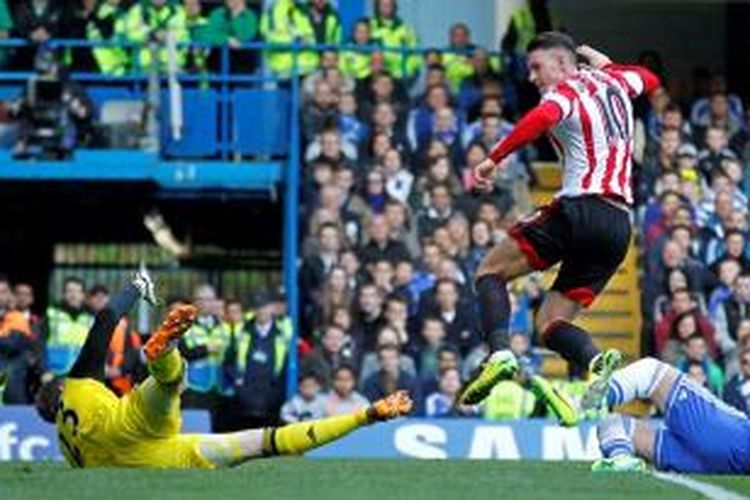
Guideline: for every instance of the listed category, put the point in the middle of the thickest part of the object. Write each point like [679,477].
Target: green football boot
[563,408]
[501,365]
[600,372]
[620,463]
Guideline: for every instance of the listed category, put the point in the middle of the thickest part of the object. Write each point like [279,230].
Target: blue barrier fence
[24,436]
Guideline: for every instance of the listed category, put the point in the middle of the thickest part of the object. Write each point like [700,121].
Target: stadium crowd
[392,230]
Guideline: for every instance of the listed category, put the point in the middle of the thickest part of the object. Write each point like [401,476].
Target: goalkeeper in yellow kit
[142,428]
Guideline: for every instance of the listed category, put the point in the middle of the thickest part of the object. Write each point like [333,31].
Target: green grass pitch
[305,479]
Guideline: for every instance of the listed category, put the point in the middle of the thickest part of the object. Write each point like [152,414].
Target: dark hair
[552,40]
[676,322]
[47,399]
[694,336]
[4,279]
[692,364]
[232,302]
[345,367]
[98,289]
[75,280]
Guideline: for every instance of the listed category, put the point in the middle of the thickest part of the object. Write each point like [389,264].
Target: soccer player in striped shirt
[586,111]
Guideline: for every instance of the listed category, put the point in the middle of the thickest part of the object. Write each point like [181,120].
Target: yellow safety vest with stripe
[509,401]
[111,60]
[281,344]
[285,23]
[206,374]
[142,19]
[357,65]
[457,68]
[331,26]
[395,33]
[523,20]
[66,336]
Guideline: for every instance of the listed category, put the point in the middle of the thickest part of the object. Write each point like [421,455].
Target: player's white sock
[615,435]
[636,381]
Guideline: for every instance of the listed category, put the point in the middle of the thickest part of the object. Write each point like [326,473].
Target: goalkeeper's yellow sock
[168,368]
[295,439]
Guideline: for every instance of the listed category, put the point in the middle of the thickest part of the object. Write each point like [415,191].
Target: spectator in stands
[328,145]
[697,373]
[426,351]
[398,179]
[284,23]
[307,404]
[683,327]
[319,264]
[389,30]
[481,241]
[204,347]
[357,64]
[102,26]
[683,304]
[390,377]
[380,88]
[65,328]
[234,24]
[737,390]
[719,115]
[342,399]
[387,336]
[37,21]
[353,130]
[458,64]
[460,325]
[25,301]
[325,22]
[17,350]
[150,22]
[422,119]
[369,317]
[381,245]
[257,365]
[697,352]
[484,76]
[322,113]
[730,313]
[716,151]
[727,271]
[335,349]
[401,225]
[437,212]
[441,404]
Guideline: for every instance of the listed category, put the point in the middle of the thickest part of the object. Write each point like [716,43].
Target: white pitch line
[708,490]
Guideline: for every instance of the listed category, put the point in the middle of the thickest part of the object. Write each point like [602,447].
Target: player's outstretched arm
[637,79]
[528,129]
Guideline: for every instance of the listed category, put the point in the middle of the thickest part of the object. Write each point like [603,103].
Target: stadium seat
[99,95]
[260,122]
[200,138]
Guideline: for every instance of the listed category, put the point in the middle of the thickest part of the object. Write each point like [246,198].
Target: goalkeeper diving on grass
[142,428]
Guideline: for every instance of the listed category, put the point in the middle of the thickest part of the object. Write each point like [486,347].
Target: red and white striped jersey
[594,136]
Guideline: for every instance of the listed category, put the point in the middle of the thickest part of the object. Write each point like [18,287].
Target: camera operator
[55,113]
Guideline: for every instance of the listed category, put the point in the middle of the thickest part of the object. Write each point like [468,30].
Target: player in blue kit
[700,433]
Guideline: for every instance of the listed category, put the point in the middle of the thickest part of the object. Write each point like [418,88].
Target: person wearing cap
[256,363]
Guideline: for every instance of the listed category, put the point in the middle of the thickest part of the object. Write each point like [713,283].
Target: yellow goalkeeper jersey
[98,429]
